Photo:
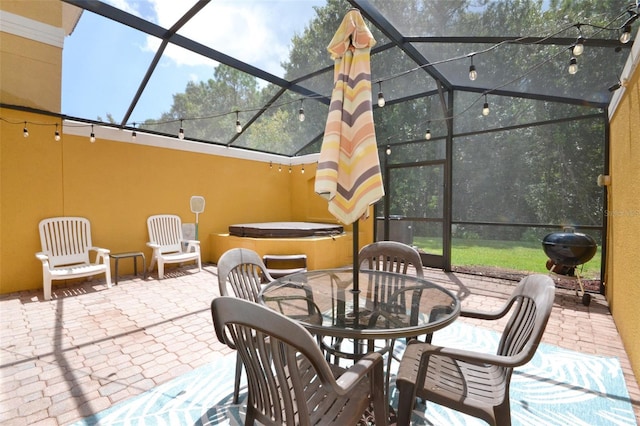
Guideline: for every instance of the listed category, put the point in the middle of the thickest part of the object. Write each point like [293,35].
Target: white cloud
[245,30]
[129,7]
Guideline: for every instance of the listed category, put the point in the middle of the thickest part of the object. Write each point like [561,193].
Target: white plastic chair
[66,243]
[168,243]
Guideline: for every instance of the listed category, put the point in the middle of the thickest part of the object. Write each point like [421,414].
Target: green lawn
[514,255]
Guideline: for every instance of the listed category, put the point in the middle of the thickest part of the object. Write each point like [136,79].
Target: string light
[485,107]
[573,65]
[289,168]
[302,171]
[279,167]
[625,37]
[92,137]
[381,101]
[427,135]
[134,134]
[301,111]
[388,151]
[578,48]
[56,135]
[473,74]
[238,125]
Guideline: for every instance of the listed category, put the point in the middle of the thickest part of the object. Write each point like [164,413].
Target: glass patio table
[387,306]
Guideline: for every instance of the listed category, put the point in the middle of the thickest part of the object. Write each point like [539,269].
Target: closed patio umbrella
[348,173]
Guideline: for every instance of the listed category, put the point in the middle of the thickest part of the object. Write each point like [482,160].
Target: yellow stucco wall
[31,71]
[623,212]
[46,11]
[118,185]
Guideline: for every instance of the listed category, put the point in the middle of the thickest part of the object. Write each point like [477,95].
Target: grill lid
[569,248]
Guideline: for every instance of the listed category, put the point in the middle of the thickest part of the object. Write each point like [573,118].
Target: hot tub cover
[284,229]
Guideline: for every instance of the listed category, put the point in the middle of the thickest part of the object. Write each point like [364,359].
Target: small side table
[134,255]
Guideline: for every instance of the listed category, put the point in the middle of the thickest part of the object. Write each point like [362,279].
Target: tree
[513,169]
[205,106]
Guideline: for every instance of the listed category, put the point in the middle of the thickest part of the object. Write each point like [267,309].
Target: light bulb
[473,74]
[578,48]
[92,136]
[485,109]
[56,137]
[388,150]
[626,34]
[427,136]
[133,135]
[303,169]
[181,133]
[301,116]
[238,125]
[25,132]
[289,168]
[573,65]
[381,101]
[279,167]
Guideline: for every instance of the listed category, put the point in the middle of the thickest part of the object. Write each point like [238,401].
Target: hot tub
[326,245]
[285,229]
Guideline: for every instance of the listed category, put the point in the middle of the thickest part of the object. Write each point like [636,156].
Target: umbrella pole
[356,275]
[356,278]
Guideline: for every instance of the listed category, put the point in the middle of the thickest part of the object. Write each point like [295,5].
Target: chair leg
[236,384]
[406,402]
[160,270]
[379,398]
[46,286]
[152,264]
[502,413]
[107,275]
[391,345]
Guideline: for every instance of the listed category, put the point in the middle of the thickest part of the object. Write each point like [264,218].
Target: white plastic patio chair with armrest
[168,243]
[290,382]
[478,383]
[66,245]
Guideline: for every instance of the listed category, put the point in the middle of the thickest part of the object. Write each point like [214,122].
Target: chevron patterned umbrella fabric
[348,173]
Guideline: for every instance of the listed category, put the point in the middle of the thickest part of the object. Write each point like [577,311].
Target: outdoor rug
[558,387]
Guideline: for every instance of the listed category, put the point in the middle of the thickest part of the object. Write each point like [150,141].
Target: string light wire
[633,15]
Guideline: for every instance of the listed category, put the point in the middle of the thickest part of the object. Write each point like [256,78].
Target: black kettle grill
[567,250]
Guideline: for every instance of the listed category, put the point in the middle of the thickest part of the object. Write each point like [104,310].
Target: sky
[104,62]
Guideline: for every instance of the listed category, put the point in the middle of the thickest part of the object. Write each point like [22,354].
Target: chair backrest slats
[532,306]
[66,240]
[390,256]
[166,230]
[285,368]
[243,270]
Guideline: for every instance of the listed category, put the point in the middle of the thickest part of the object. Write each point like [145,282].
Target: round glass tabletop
[385,306]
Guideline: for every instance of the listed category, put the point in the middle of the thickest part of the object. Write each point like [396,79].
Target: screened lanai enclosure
[490,116]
